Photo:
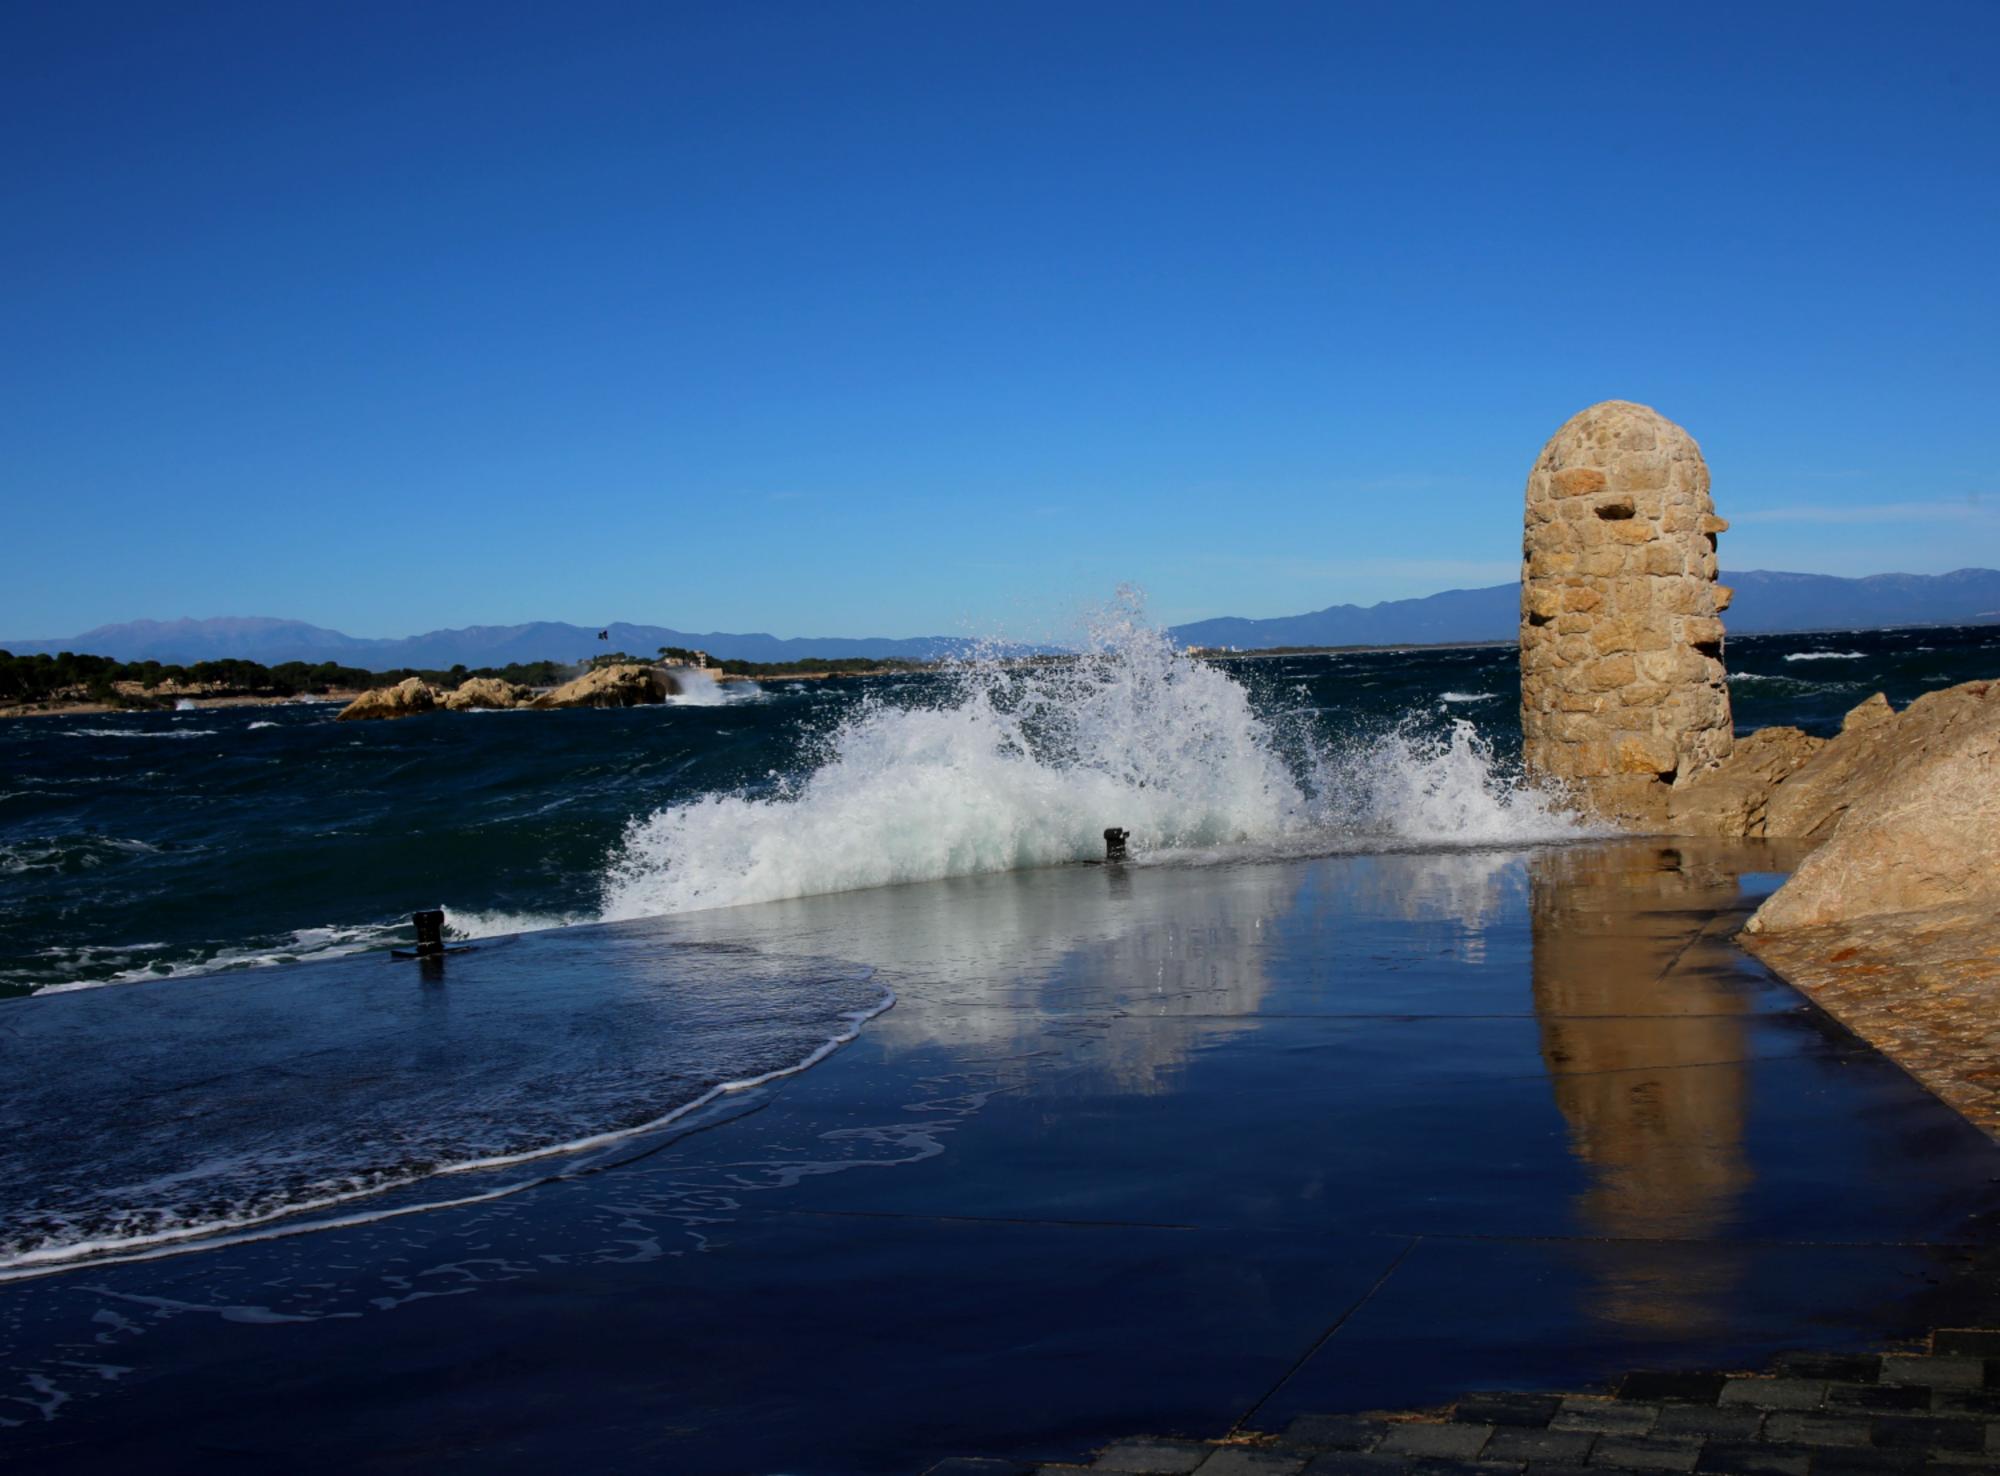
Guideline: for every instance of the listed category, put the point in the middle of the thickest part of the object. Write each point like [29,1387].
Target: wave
[1467,696]
[1827,656]
[1018,766]
[699,689]
[146,1201]
[101,966]
[140,732]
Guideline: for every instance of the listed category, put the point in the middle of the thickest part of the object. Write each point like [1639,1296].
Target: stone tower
[1623,693]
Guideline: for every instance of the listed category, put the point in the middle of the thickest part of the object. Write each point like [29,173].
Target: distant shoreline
[83,707]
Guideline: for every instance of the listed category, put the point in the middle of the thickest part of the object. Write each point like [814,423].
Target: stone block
[1706,1422]
[1875,1398]
[1152,1457]
[1453,1441]
[1799,1427]
[1646,1453]
[1722,1459]
[1934,1372]
[1335,1432]
[1243,1460]
[1605,1416]
[1914,1432]
[1357,1463]
[1576,481]
[1774,1393]
[1569,1446]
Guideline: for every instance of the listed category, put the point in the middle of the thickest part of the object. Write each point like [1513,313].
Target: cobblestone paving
[1922,987]
[1934,1411]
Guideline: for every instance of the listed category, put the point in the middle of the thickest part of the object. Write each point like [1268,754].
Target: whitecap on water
[1025,765]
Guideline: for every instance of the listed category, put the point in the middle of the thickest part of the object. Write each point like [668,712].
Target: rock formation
[613,686]
[1622,688]
[1913,806]
[476,692]
[407,698]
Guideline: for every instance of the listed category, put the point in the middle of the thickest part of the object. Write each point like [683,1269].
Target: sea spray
[1020,765]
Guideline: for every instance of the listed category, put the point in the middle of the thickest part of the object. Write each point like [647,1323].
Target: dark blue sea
[169,844]
[175,1080]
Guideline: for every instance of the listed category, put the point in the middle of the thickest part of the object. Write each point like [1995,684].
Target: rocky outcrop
[1622,690]
[635,685]
[1734,798]
[488,692]
[1913,807]
[406,699]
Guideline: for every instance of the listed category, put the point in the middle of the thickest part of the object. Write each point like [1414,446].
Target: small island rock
[406,699]
[635,685]
[478,692]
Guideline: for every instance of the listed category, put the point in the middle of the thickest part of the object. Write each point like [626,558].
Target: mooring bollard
[1114,843]
[430,932]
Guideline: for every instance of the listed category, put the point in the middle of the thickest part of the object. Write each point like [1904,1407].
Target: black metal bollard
[1114,843]
[430,932]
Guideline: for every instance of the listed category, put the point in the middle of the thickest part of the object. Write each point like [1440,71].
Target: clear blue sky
[831,318]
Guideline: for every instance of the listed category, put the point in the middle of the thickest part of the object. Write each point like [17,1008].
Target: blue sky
[892,319]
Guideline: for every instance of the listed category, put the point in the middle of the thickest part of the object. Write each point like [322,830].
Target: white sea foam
[297,946]
[1826,656]
[466,923]
[260,724]
[141,732]
[1467,696]
[1025,766]
[699,689]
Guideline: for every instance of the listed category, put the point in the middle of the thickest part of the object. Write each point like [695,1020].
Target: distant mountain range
[255,638]
[1765,601]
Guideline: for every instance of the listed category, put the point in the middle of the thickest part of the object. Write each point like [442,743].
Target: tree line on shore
[78,677]
[102,679]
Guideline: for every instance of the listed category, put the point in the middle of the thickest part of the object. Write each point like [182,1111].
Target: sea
[174,865]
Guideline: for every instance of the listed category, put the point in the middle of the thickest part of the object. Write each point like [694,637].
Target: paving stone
[1993,1440]
[1775,1393]
[1451,1442]
[1646,1453]
[1700,1422]
[1684,1388]
[1911,1432]
[1508,1409]
[1605,1416]
[1755,1460]
[1152,1457]
[1240,1460]
[1431,1467]
[1849,1368]
[976,1466]
[1789,1427]
[1876,1397]
[1335,1432]
[1934,1373]
[1570,1447]
[1974,1342]
[1849,1461]
[1356,1463]
[1965,1401]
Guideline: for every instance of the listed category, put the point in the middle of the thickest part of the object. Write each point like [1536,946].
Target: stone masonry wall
[1623,693]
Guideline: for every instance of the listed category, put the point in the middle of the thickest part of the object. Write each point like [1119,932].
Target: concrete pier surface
[1186,1150]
